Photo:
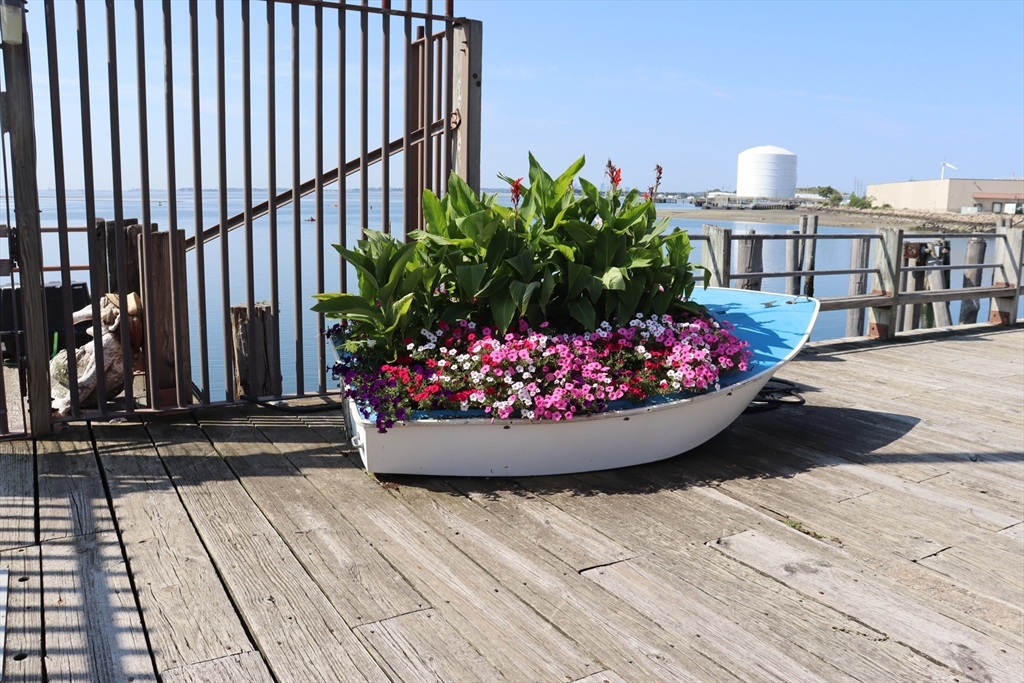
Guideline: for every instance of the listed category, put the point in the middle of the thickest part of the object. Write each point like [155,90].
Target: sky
[862,92]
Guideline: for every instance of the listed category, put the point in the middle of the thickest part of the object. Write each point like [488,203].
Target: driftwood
[85,358]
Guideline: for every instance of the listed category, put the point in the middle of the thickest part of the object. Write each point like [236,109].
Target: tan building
[951,194]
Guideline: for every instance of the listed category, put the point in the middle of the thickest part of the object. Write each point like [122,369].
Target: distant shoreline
[849,218]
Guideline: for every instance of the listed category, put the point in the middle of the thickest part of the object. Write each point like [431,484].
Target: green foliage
[861,202]
[570,260]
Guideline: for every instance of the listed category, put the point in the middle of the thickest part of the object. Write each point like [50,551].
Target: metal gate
[195,164]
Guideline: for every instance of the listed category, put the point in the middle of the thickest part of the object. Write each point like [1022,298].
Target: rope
[775,393]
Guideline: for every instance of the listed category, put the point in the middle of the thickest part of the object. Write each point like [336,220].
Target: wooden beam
[20,119]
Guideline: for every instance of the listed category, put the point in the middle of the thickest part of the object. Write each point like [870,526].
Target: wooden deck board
[300,634]
[17,495]
[189,616]
[23,650]
[513,638]
[249,545]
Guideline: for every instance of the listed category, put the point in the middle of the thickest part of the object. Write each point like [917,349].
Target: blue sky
[870,90]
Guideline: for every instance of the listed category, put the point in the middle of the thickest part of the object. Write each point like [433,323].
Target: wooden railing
[907,275]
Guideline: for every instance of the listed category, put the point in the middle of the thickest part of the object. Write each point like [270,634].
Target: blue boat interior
[773,324]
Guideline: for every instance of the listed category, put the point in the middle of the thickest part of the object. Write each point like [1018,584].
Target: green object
[569,260]
[54,351]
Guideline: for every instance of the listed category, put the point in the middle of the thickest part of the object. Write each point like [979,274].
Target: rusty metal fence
[372,94]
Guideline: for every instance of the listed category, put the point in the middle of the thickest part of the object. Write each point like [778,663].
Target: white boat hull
[775,325]
[478,447]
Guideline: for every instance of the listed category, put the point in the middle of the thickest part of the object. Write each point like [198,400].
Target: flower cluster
[535,375]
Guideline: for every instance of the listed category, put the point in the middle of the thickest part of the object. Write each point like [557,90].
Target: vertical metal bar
[449,50]
[439,184]
[62,205]
[342,154]
[408,189]
[275,303]
[90,209]
[119,236]
[152,368]
[197,198]
[300,383]
[321,349]
[364,104]
[428,95]
[222,196]
[250,285]
[419,180]
[182,384]
[385,119]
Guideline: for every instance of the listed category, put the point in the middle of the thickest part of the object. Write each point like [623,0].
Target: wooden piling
[1009,250]
[888,263]
[160,310]
[972,278]
[938,280]
[914,255]
[793,248]
[859,249]
[717,255]
[257,361]
[812,249]
[749,259]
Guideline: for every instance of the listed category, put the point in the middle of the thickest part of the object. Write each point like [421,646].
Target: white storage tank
[766,171]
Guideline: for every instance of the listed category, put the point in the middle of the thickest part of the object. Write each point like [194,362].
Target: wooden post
[793,263]
[972,278]
[938,254]
[858,285]
[749,259]
[717,255]
[803,245]
[19,115]
[99,259]
[160,309]
[257,363]
[467,65]
[888,261]
[914,255]
[812,249]
[1009,249]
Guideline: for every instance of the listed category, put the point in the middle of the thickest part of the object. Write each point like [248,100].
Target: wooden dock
[874,534]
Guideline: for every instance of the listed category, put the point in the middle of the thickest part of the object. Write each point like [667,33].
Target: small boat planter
[456,444]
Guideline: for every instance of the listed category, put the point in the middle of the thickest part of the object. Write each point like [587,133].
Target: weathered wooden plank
[72,501]
[1016,531]
[778,615]
[23,647]
[246,667]
[997,577]
[823,575]
[360,584]
[92,628]
[606,676]
[885,542]
[547,526]
[613,630]
[510,635]
[17,495]
[300,634]
[831,473]
[422,646]
[189,617]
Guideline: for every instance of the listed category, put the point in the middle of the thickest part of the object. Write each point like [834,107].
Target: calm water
[831,254]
